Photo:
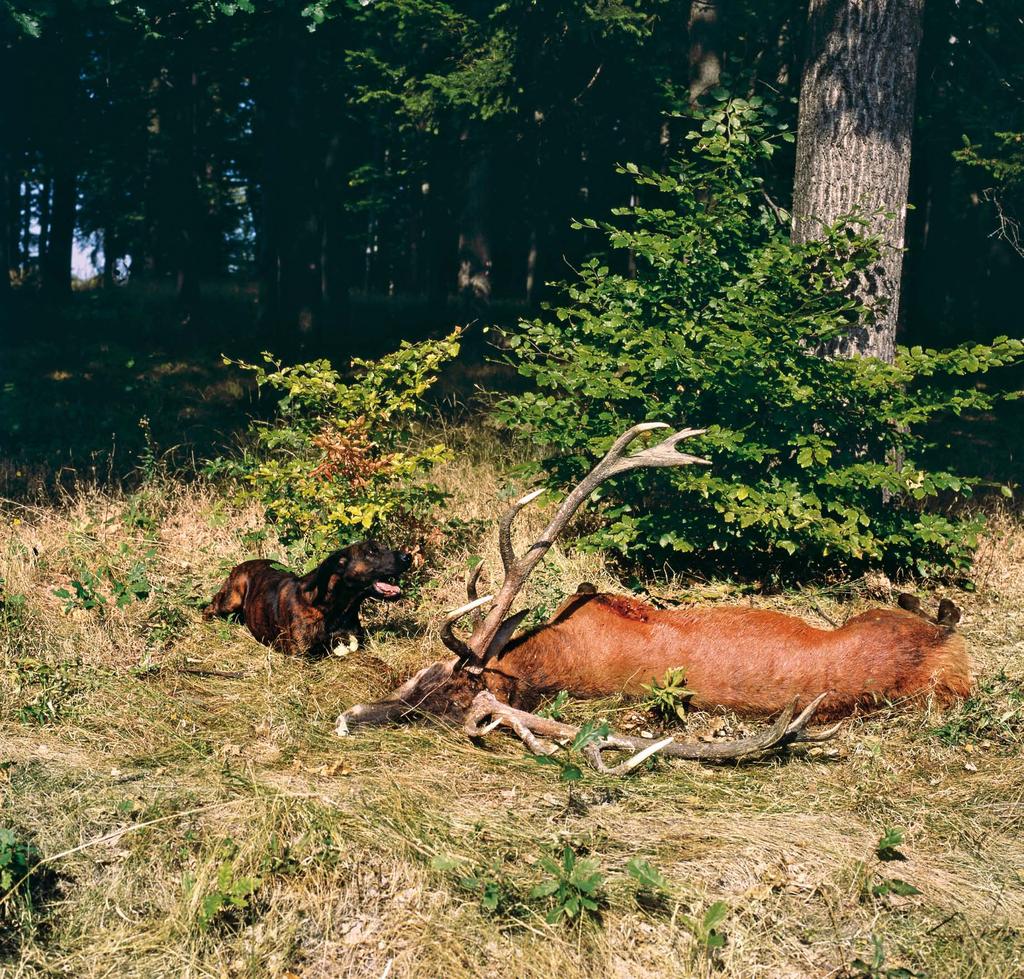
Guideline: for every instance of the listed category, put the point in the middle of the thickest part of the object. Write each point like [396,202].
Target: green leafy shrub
[818,463]
[875,968]
[12,606]
[343,460]
[94,588]
[498,893]
[872,883]
[705,929]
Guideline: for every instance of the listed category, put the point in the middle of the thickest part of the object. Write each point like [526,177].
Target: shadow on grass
[100,387]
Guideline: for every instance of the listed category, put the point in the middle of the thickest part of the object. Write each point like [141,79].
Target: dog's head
[366,570]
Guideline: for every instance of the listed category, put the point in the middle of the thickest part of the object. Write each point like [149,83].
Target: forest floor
[198,817]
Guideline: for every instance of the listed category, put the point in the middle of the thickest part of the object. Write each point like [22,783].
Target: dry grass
[119,742]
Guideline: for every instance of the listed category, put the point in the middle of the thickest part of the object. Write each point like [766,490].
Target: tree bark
[853,142]
[333,251]
[474,240]
[45,197]
[290,238]
[187,237]
[57,264]
[705,32]
[14,207]
[6,256]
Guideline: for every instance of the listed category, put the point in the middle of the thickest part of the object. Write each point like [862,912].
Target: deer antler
[491,635]
[448,637]
[487,713]
[434,689]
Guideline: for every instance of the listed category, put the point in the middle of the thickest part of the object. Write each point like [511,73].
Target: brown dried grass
[342,835]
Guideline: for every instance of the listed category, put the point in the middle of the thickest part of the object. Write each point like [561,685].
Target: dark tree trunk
[45,197]
[110,257]
[531,265]
[333,239]
[187,240]
[438,236]
[57,265]
[474,279]
[146,260]
[853,145]
[12,229]
[705,33]
[290,241]
[6,258]
[25,248]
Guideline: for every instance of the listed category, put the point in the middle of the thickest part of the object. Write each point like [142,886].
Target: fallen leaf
[334,769]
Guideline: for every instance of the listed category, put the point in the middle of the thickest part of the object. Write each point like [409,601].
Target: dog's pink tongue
[383,588]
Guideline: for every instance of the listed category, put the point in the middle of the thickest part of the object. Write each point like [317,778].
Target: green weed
[669,698]
[230,894]
[572,888]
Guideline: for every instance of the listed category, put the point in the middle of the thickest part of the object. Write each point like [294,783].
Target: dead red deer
[749,660]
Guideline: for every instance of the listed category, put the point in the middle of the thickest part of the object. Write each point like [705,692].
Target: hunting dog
[315,613]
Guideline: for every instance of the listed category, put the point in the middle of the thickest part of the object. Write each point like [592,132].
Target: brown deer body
[750,660]
[753,661]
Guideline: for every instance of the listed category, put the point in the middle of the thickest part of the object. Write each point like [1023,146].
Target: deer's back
[752,660]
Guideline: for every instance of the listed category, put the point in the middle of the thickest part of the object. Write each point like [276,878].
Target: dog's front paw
[345,646]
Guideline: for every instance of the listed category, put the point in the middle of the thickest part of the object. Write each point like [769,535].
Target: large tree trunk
[705,55]
[474,239]
[6,218]
[12,206]
[853,145]
[45,198]
[290,239]
[187,237]
[333,240]
[56,264]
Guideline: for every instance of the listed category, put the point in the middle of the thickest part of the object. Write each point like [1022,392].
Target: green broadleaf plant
[818,464]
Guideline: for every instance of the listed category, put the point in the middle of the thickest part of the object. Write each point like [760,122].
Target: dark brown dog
[314,613]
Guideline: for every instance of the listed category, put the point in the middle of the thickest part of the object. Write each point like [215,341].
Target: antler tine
[594,754]
[448,637]
[471,581]
[487,712]
[620,444]
[508,554]
[483,642]
[402,702]
[663,454]
[795,732]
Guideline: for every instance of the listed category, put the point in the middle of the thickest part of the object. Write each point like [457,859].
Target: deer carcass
[749,660]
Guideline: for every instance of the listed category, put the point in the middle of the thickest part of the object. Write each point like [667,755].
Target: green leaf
[646,875]
[544,889]
[886,848]
[715,914]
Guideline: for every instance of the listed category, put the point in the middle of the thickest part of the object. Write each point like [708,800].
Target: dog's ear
[319,584]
